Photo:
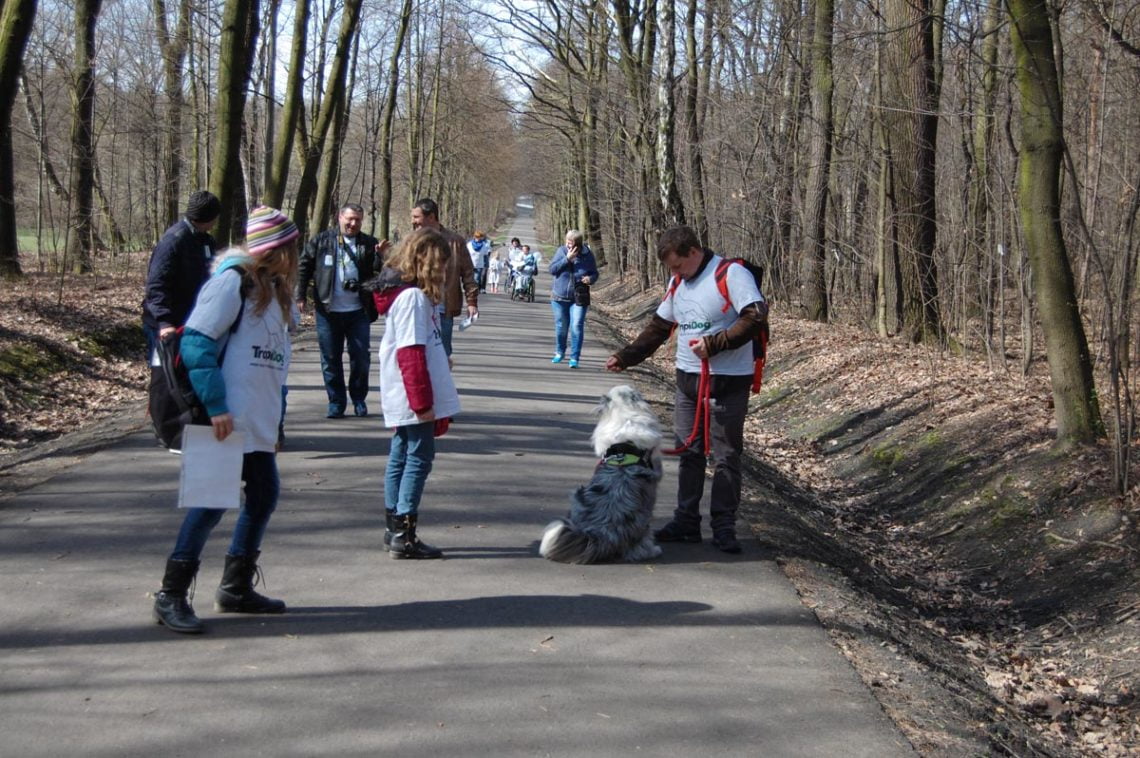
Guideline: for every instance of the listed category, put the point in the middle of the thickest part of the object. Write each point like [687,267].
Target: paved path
[490,652]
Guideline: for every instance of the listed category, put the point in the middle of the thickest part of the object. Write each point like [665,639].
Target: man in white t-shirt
[709,332]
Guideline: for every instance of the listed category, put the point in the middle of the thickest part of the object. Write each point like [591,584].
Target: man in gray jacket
[335,262]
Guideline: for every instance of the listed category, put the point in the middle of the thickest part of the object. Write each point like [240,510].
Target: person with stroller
[574,271]
[522,277]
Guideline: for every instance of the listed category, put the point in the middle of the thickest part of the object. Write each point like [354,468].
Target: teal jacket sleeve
[201,356]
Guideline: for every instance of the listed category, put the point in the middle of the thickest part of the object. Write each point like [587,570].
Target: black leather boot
[405,544]
[236,594]
[389,526]
[172,604]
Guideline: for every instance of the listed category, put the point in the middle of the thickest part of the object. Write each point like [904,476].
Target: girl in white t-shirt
[242,314]
[416,389]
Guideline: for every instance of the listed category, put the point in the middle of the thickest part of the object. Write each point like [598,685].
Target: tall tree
[386,117]
[1042,147]
[813,285]
[81,233]
[173,46]
[278,174]
[326,115]
[911,78]
[235,60]
[16,17]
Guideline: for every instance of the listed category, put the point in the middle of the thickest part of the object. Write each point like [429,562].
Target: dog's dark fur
[609,517]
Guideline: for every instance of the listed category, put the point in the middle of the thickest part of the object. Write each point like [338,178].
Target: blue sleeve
[591,266]
[200,354]
[559,264]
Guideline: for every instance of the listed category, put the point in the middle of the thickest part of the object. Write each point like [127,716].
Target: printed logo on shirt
[695,326]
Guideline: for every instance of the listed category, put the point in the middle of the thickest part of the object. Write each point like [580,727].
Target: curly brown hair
[422,259]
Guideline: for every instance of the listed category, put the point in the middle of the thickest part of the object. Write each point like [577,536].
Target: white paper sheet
[211,470]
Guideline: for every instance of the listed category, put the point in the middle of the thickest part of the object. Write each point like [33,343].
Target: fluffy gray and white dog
[609,517]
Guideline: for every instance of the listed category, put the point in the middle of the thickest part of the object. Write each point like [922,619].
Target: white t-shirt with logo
[414,320]
[257,356]
[698,309]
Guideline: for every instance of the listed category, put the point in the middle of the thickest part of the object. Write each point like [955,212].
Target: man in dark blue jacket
[179,265]
[334,264]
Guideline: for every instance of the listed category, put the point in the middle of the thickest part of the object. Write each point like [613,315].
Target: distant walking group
[246,298]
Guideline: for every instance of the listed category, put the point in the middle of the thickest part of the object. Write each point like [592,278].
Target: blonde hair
[422,260]
[272,275]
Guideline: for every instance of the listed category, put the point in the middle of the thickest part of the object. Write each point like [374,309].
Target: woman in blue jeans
[243,310]
[574,270]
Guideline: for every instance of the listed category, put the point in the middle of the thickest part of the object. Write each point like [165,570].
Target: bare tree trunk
[278,174]
[911,79]
[1042,144]
[16,19]
[81,236]
[173,48]
[674,209]
[813,285]
[386,118]
[338,76]
[235,58]
[692,116]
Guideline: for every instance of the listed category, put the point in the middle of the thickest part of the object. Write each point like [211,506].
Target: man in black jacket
[179,265]
[335,262]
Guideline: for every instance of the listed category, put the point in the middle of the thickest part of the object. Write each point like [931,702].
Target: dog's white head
[624,416]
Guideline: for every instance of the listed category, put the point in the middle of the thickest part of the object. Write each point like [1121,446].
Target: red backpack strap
[721,276]
[674,283]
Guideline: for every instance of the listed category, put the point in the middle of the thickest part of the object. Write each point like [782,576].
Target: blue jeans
[568,315]
[446,327]
[332,331]
[410,459]
[262,486]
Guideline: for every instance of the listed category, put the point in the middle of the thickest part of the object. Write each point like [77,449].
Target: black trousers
[728,407]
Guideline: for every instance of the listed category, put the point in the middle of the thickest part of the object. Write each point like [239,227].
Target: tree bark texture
[235,59]
[386,118]
[81,236]
[274,194]
[1070,366]
[911,90]
[16,19]
[173,47]
[813,285]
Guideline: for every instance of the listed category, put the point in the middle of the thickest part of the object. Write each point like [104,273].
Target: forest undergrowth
[985,588]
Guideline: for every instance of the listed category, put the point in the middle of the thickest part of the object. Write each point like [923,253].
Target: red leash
[703,416]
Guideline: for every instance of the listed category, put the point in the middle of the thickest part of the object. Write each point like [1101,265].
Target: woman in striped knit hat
[243,311]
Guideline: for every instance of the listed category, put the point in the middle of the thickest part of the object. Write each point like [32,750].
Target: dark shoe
[726,542]
[236,594]
[335,411]
[172,605]
[405,543]
[360,409]
[674,532]
[389,526]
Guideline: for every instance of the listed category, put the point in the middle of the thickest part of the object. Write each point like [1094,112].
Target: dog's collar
[625,454]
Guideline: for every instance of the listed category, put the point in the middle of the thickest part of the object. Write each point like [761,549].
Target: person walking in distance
[243,310]
[334,263]
[707,333]
[416,388]
[574,271]
[460,283]
[479,247]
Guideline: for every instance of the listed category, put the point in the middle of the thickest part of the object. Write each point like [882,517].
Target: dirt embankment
[985,588]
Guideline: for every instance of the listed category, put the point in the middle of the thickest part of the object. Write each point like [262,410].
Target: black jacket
[179,265]
[313,269]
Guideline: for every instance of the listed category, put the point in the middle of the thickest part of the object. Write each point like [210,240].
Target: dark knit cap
[203,207]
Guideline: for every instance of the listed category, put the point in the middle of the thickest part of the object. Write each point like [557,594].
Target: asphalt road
[492,651]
